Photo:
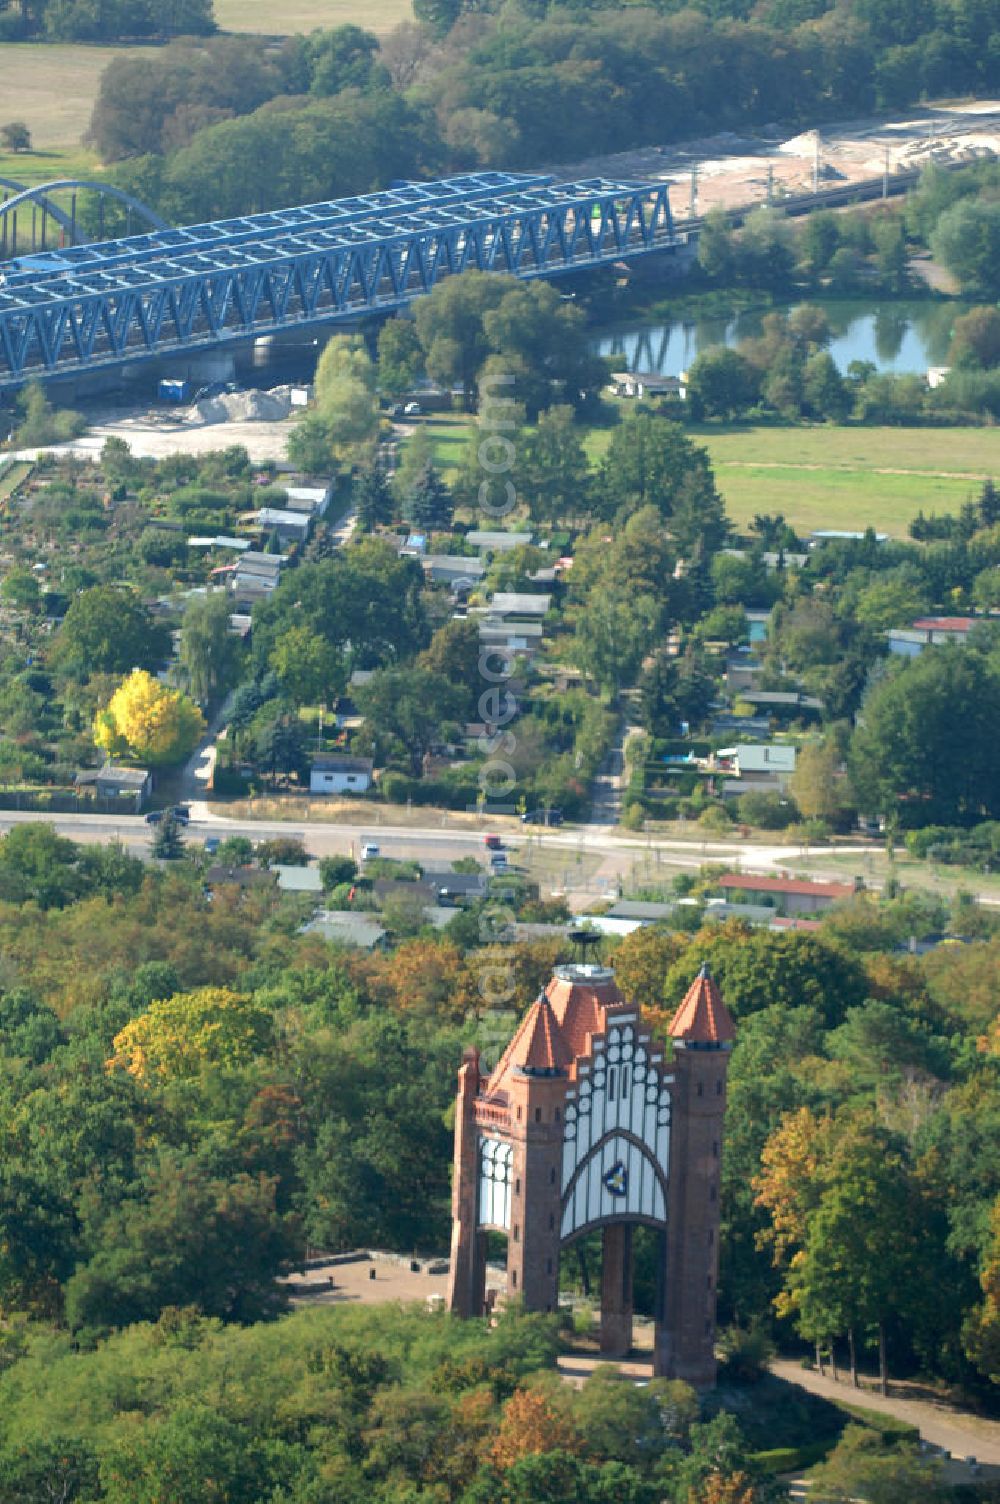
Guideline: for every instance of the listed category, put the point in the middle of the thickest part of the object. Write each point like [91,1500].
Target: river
[899,335]
[896,335]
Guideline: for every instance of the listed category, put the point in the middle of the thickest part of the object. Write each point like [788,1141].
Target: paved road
[325,838]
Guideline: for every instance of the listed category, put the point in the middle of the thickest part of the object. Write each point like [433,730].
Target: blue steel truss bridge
[206,287]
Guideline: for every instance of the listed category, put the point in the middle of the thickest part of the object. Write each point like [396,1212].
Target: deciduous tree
[148,721]
[211,1028]
[210,650]
[107,630]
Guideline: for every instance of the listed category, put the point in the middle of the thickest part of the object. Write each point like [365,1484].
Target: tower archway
[587,1124]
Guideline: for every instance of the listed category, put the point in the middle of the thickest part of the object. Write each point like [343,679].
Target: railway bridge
[113,303]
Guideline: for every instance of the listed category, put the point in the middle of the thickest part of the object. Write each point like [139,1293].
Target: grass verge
[12,476]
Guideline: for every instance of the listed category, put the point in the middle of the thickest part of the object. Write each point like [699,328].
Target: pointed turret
[537,1049]
[703,1018]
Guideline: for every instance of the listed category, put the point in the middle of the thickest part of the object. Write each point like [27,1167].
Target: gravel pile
[244,407]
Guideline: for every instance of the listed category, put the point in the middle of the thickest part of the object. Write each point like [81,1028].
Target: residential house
[399,887]
[841,535]
[220,876]
[495,542]
[334,773]
[741,671]
[297,879]
[645,913]
[457,887]
[795,895]
[343,927]
[785,703]
[308,493]
[740,725]
[647,384]
[511,636]
[931,631]
[520,605]
[290,526]
[454,570]
[221,540]
[513,621]
[255,575]
[764,764]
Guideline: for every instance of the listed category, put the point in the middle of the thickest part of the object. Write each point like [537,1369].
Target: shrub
[229,781]
[746,1351]
[715,818]
[767,811]
[334,870]
[285,850]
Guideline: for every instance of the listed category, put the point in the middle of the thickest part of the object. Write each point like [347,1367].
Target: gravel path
[957,1431]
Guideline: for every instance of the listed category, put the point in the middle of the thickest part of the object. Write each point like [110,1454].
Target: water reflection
[900,336]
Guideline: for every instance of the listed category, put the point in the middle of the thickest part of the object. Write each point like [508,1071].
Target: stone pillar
[684,1345]
[467,1271]
[616,1290]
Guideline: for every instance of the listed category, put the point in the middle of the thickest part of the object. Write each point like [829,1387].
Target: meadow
[843,477]
[52,87]
[305,15]
[816,477]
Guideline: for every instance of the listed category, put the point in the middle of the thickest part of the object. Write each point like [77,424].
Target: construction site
[727,171]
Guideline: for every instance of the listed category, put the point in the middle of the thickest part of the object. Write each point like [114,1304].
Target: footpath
[958,1432]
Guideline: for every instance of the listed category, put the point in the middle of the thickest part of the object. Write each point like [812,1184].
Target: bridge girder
[230,288]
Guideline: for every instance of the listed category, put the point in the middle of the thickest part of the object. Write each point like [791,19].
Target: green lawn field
[449,433]
[305,15]
[843,477]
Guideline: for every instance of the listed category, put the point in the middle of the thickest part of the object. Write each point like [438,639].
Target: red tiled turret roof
[581,997]
[703,1017]
[538,1046]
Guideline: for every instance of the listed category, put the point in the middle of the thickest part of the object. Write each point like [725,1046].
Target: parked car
[212,844]
[412,410]
[181,813]
[154,817]
[493,843]
[368,850]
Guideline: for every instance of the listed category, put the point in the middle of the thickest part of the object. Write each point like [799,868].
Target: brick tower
[587,1123]
[703,1033]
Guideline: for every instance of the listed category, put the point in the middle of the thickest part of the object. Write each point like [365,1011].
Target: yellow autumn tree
[191,1032]
[789,1184]
[149,721]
